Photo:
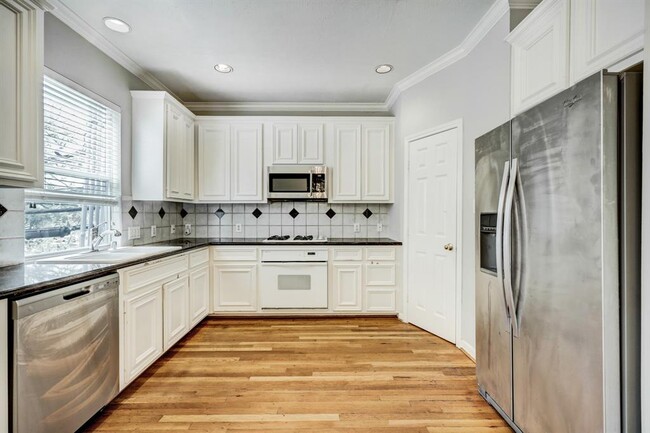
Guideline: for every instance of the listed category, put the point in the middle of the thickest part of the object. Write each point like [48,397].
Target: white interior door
[432,233]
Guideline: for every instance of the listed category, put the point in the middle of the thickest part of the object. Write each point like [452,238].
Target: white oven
[293,278]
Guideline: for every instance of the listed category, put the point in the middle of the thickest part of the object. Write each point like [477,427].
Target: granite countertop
[28,279]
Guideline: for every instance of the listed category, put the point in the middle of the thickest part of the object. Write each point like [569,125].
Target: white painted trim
[379,107]
[76,23]
[467,348]
[458,125]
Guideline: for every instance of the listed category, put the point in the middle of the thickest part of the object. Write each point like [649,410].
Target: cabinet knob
[449,247]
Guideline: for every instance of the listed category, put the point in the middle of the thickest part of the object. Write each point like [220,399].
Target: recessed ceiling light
[383,69]
[117,25]
[223,68]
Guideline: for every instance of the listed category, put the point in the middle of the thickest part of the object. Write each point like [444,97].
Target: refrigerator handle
[522,231]
[507,246]
[499,234]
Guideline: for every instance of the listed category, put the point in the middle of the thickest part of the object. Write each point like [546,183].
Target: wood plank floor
[352,375]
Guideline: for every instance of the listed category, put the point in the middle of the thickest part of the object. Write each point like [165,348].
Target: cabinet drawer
[380,274]
[157,270]
[380,253]
[347,254]
[234,254]
[199,257]
[380,300]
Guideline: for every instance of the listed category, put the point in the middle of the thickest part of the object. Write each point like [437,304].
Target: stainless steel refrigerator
[558,247]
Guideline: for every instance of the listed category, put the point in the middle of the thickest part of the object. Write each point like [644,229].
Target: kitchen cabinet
[162,148]
[540,55]
[604,32]
[347,286]
[199,286]
[230,163]
[235,286]
[363,163]
[143,330]
[176,310]
[298,143]
[4,366]
[21,93]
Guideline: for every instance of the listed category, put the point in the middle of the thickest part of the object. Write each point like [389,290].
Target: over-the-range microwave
[297,182]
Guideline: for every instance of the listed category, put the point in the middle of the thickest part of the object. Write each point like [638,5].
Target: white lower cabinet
[176,311]
[347,285]
[235,286]
[4,366]
[143,336]
[199,294]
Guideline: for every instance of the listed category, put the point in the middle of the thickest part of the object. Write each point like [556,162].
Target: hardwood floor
[353,375]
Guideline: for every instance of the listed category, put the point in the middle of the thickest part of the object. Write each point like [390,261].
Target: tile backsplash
[12,226]
[258,220]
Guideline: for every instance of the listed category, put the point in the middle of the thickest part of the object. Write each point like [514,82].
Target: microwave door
[289,185]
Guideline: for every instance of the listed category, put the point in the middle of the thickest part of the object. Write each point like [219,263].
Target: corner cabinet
[230,161]
[162,148]
[21,93]
[363,163]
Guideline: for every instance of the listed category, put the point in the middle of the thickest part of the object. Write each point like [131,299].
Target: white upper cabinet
[163,148]
[540,55]
[604,32]
[230,161]
[21,94]
[363,163]
[298,143]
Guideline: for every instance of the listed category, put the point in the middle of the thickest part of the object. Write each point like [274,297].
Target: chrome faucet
[96,238]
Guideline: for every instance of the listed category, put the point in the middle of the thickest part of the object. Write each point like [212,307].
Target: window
[81,170]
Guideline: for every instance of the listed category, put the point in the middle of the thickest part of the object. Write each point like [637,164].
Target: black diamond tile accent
[257,213]
[161,212]
[330,213]
[219,213]
[183,213]
[367,213]
[294,213]
[3,210]
[133,212]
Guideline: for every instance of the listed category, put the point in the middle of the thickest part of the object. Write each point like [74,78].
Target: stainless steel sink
[118,255]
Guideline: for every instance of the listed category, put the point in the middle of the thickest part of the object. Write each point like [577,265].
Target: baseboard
[467,349]
[286,315]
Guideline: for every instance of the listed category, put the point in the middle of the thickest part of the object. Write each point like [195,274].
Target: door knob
[449,247]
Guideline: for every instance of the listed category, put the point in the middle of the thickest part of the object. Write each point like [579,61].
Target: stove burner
[279,238]
[303,238]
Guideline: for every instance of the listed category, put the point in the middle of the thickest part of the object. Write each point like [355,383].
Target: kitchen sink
[117,255]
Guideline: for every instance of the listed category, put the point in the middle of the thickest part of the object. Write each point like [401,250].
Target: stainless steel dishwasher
[65,356]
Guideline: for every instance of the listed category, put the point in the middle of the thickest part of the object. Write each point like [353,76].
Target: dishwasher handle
[74,295]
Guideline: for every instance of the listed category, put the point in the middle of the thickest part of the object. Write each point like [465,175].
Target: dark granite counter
[28,279]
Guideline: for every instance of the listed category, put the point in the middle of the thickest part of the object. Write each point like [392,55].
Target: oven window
[289,182]
[294,282]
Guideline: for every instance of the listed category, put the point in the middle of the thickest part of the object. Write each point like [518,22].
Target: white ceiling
[284,50]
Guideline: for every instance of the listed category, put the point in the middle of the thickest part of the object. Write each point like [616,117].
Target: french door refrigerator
[557,280]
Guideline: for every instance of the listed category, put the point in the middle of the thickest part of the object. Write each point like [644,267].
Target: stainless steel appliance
[65,356]
[557,317]
[297,182]
[293,278]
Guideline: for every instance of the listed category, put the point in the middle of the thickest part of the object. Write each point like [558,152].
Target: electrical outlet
[237,228]
[188,229]
[153,231]
[357,228]
[134,233]
[380,227]
[172,229]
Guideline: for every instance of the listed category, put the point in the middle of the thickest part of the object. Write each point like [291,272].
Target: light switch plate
[153,231]
[380,227]
[172,229]
[134,233]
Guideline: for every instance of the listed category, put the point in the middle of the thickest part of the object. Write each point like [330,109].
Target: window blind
[81,146]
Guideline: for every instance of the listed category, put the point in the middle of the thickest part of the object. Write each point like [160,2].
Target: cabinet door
[540,55]
[214,162]
[235,287]
[310,144]
[604,32]
[175,155]
[199,295]
[176,312]
[376,163]
[347,165]
[346,286]
[246,162]
[21,94]
[143,330]
[285,143]
[188,154]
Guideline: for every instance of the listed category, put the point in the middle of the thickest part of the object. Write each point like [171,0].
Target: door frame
[458,125]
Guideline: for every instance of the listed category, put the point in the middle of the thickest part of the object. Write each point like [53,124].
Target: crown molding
[234,107]
[498,9]
[76,23]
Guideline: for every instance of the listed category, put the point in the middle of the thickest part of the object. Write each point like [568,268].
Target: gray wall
[70,55]
[476,90]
